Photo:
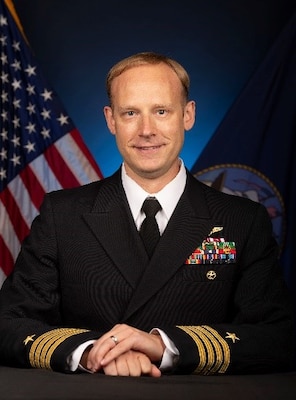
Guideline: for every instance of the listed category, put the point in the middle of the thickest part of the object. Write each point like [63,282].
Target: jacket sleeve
[32,332]
[258,337]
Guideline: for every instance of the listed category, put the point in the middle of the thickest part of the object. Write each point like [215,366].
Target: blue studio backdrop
[220,42]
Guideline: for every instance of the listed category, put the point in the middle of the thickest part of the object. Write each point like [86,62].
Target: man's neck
[153,184]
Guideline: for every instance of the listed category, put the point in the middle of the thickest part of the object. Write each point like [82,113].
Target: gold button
[211,275]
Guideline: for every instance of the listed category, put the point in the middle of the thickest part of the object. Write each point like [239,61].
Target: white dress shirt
[168,198]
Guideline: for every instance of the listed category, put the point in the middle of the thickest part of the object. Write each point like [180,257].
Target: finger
[133,363]
[129,339]
[143,364]
[105,343]
[147,368]
[155,372]
[139,364]
[98,351]
[122,366]
[128,365]
[119,329]
[116,352]
[138,341]
[117,333]
[111,369]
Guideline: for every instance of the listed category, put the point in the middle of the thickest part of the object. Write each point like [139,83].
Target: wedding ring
[114,338]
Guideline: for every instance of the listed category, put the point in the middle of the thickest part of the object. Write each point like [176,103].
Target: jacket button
[211,275]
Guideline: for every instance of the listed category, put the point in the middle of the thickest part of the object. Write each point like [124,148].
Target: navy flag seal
[242,180]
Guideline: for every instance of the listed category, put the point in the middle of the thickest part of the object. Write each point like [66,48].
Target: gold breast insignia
[216,229]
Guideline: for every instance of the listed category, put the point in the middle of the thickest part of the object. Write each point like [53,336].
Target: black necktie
[149,231]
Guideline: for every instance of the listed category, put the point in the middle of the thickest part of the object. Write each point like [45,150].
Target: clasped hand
[125,351]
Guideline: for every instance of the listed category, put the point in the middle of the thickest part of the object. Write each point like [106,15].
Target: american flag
[40,148]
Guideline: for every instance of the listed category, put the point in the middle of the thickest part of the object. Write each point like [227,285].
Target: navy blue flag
[253,151]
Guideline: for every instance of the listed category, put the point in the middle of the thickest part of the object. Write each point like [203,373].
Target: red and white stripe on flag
[66,163]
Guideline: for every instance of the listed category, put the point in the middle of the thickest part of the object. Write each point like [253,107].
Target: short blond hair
[145,58]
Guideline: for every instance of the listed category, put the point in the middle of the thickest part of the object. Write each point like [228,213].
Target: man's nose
[147,125]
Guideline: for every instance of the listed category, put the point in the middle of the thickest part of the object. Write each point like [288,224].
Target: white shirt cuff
[74,358]
[171,353]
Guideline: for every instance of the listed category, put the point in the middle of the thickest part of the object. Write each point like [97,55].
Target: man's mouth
[148,147]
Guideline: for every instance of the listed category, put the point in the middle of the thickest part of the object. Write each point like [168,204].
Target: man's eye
[130,113]
[161,112]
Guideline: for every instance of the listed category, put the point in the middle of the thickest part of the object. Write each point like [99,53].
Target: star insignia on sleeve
[231,336]
[28,339]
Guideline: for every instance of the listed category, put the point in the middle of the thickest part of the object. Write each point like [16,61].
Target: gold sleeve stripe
[217,365]
[211,356]
[213,350]
[201,350]
[224,346]
[44,346]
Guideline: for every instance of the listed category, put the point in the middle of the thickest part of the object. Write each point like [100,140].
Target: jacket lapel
[112,224]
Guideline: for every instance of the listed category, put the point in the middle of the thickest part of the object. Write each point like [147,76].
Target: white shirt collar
[168,197]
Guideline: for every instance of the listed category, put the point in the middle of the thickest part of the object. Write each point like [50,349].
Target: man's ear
[189,115]
[109,119]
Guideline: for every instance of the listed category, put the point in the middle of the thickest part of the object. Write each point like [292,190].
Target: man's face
[148,118]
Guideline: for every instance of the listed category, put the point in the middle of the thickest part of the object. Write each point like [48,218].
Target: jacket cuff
[202,350]
[52,349]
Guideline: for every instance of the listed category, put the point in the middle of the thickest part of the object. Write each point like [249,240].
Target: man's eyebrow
[127,107]
[135,107]
[161,105]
